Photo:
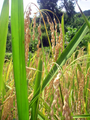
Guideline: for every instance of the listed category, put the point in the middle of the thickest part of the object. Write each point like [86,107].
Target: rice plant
[41,86]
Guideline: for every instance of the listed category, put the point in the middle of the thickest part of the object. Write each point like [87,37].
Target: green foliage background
[72,25]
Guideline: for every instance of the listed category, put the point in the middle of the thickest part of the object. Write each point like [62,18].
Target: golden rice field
[52,85]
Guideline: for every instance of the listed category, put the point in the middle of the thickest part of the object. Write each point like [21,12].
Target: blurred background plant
[70,34]
[71,27]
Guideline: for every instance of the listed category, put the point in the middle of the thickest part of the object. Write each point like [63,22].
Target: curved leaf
[4,17]
[18,49]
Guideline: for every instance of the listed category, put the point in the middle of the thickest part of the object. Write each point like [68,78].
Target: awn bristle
[59,43]
[34,25]
[52,36]
[57,47]
[86,79]
[80,92]
[27,33]
[49,89]
[8,108]
[57,99]
[66,109]
[39,35]
[52,33]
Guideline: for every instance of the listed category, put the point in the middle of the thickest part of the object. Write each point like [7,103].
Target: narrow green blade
[86,20]
[18,49]
[34,112]
[81,116]
[63,32]
[41,116]
[4,17]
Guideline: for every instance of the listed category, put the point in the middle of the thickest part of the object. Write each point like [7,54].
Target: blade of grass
[4,17]
[18,49]
[63,32]
[42,116]
[88,49]
[34,112]
[82,116]
[9,68]
[86,20]
[61,94]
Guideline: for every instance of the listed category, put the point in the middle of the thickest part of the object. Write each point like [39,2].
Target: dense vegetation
[71,26]
[45,75]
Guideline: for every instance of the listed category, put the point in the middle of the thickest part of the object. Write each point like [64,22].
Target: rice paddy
[53,85]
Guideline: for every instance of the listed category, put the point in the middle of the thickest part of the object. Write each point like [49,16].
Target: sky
[84,5]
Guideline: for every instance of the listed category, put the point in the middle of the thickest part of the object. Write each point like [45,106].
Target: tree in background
[8,43]
[50,5]
[69,6]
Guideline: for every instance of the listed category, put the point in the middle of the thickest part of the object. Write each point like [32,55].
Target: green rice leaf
[63,32]
[4,17]
[82,116]
[41,116]
[34,112]
[86,20]
[18,49]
